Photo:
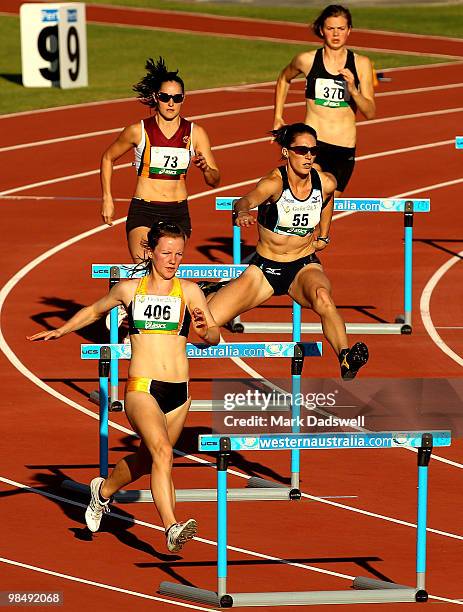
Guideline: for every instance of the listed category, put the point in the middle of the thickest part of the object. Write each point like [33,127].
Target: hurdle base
[208,495]
[316,328]
[190,495]
[392,593]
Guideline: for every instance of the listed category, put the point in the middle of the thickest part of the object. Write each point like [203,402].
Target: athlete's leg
[312,289]
[147,419]
[240,295]
[138,464]
[134,239]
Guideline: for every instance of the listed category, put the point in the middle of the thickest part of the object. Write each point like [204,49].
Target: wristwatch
[326,239]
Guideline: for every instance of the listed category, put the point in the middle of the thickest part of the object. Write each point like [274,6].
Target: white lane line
[255,109]
[115,514]
[425,307]
[100,585]
[62,179]
[269,39]
[244,551]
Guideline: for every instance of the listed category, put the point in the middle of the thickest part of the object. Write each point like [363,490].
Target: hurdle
[116,272]
[403,323]
[459,142]
[365,590]
[258,488]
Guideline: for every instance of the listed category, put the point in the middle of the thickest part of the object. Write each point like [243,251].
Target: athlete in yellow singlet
[160,308]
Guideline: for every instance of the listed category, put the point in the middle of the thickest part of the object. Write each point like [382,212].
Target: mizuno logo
[275,271]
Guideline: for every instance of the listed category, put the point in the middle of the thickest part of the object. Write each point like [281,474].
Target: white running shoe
[121,315]
[95,508]
[179,533]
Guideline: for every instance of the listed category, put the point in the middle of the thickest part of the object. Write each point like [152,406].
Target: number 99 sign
[54,45]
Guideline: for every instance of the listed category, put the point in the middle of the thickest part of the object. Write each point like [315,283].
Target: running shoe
[352,360]
[96,507]
[121,315]
[179,533]
[209,287]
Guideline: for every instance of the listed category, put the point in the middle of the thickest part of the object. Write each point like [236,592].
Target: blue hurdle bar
[459,142]
[256,488]
[365,590]
[406,206]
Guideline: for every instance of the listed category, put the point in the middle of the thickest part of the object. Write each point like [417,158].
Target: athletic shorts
[143,213]
[169,395]
[340,161]
[280,274]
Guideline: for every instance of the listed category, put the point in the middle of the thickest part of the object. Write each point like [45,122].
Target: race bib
[171,161]
[298,220]
[157,312]
[331,92]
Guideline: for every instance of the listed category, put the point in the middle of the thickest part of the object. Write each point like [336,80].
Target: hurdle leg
[115,276]
[297,363]
[408,259]
[103,372]
[219,599]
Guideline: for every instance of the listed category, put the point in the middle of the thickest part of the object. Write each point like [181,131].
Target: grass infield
[116,58]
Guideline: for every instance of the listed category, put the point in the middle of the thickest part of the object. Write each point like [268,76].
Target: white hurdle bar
[365,590]
[403,323]
[257,488]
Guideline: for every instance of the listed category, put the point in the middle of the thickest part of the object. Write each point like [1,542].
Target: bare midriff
[333,125]
[283,248]
[159,356]
[157,190]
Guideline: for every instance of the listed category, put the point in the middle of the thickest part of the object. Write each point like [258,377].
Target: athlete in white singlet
[295,207]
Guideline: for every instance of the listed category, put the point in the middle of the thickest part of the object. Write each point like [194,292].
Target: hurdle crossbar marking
[365,590]
[403,324]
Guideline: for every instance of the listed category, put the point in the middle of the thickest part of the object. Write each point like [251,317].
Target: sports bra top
[159,157]
[158,314]
[289,215]
[328,89]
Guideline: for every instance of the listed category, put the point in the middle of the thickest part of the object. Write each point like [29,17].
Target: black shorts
[169,395]
[280,274]
[143,214]
[340,161]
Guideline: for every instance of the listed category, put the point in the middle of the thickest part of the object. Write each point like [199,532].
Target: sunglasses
[165,97]
[302,150]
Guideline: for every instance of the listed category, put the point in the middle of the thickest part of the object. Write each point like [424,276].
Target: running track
[50,432]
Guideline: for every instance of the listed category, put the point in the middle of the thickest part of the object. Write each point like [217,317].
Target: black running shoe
[209,287]
[352,360]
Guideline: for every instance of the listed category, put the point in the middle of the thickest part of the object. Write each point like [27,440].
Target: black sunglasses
[165,97]
[302,150]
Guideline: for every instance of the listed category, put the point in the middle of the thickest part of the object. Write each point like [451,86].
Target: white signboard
[54,45]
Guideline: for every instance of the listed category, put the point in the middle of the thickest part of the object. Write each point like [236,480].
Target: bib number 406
[158,312]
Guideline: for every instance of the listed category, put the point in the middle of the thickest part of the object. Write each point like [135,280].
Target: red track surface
[47,439]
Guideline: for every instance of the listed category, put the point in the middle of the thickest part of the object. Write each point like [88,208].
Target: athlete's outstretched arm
[263,191]
[204,158]
[328,188]
[127,139]
[85,316]
[201,317]
[364,97]
[300,64]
